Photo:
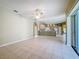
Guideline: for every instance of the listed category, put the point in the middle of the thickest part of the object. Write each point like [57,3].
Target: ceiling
[53,10]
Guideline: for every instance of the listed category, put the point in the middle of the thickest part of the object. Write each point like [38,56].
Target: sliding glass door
[78,31]
[75,31]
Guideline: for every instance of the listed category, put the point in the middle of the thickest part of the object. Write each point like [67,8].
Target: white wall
[13,27]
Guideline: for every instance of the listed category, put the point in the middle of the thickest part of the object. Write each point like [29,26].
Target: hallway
[38,48]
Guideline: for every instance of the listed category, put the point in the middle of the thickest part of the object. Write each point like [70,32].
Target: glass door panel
[75,31]
[78,32]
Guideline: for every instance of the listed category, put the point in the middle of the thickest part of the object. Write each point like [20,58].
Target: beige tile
[39,48]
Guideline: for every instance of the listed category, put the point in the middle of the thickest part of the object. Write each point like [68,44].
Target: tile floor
[38,48]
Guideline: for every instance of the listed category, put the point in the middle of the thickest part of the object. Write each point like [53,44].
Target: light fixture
[38,13]
[15,11]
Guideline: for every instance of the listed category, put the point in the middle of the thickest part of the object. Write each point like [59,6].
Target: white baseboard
[10,43]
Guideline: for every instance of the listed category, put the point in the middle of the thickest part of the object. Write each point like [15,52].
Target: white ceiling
[53,10]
